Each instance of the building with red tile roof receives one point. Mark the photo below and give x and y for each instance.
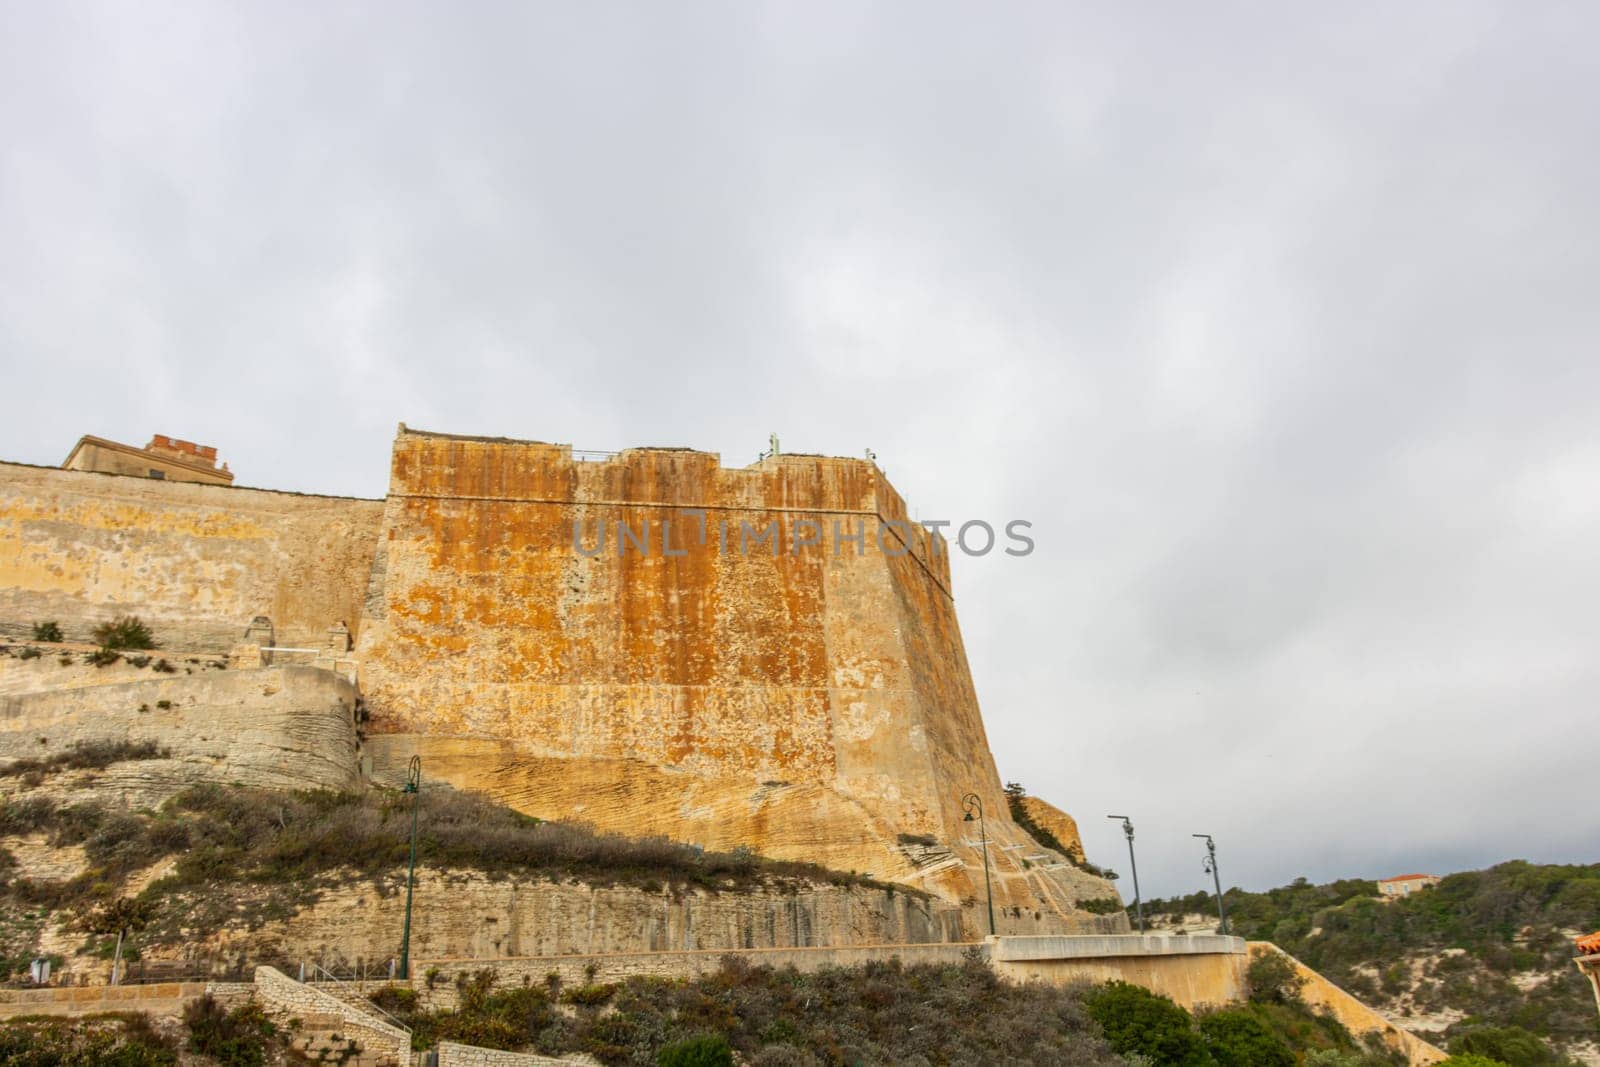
(1403, 885)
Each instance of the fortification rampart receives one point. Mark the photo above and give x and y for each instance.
(810, 701)
(807, 700)
(196, 562)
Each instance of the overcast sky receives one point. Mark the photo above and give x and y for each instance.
(1278, 321)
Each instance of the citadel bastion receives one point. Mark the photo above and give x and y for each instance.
(801, 700)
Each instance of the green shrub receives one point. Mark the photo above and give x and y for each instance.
(707, 1050)
(125, 631)
(395, 999)
(48, 631)
(1273, 979)
(1136, 1020)
(29, 653)
(1511, 1045)
(116, 1040)
(589, 996)
(237, 1038)
(1470, 1059)
(1101, 906)
(1332, 1057)
(1238, 1038)
(102, 657)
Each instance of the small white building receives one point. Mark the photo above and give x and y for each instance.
(1403, 885)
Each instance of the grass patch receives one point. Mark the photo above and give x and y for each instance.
(84, 755)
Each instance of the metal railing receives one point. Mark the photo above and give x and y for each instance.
(366, 1004)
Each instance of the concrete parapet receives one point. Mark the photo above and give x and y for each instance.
(1194, 971)
(1011, 949)
(159, 998)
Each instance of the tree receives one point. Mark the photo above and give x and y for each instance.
(49, 631)
(1273, 979)
(1136, 1020)
(1508, 1044)
(123, 916)
(1237, 1038)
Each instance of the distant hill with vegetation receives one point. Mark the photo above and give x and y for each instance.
(1477, 963)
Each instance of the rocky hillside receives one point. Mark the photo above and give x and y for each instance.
(1482, 961)
(221, 874)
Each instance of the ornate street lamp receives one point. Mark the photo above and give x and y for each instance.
(414, 787)
(970, 803)
(1209, 865)
(1138, 901)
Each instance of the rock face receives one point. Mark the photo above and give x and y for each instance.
(277, 728)
(1052, 820)
(675, 674)
(766, 656)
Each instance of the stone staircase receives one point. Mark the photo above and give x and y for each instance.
(330, 1029)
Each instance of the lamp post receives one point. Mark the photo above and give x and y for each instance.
(414, 787)
(1209, 865)
(969, 803)
(1138, 901)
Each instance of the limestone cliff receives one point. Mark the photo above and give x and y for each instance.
(1052, 820)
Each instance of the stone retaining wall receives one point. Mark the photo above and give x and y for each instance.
(161, 998)
(453, 1055)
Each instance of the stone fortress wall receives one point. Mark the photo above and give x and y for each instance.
(196, 562)
(811, 702)
(806, 702)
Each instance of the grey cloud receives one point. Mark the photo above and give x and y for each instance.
(1278, 324)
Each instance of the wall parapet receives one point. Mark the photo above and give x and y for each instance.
(454, 1055)
(1053, 947)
